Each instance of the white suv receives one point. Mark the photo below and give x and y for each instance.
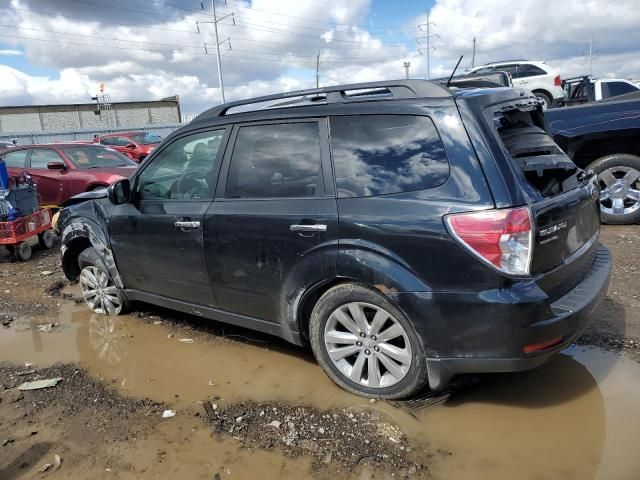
(542, 80)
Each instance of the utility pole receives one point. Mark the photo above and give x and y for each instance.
(428, 38)
(590, 54)
(318, 70)
(406, 69)
(473, 56)
(218, 42)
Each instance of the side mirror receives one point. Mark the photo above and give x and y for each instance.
(56, 166)
(120, 191)
(130, 145)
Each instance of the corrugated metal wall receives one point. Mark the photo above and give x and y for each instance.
(36, 137)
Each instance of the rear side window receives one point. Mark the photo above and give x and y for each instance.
(15, 159)
(271, 161)
(382, 154)
(527, 70)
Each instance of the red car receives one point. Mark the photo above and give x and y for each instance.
(62, 170)
(135, 145)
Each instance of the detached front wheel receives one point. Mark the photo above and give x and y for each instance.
(98, 289)
(366, 345)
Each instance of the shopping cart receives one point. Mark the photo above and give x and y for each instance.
(17, 235)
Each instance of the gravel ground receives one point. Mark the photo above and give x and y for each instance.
(347, 437)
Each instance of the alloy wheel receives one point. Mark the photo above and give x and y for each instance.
(99, 292)
(619, 194)
(368, 345)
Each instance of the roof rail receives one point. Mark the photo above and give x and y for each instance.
(356, 92)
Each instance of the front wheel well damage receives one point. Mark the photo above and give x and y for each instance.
(70, 257)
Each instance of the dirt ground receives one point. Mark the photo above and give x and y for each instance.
(235, 418)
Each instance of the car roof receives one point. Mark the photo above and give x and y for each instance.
(121, 134)
(58, 144)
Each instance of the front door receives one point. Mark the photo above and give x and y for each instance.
(273, 212)
(157, 239)
(53, 185)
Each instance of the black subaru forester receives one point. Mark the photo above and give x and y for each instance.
(407, 231)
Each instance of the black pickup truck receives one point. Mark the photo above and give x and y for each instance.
(605, 137)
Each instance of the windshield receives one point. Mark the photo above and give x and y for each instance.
(146, 138)
(89, 156)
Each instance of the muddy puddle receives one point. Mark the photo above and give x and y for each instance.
(577, 417)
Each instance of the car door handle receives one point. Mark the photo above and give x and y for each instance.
(187, 225)
(316, 227)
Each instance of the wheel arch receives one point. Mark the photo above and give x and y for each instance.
(364, 265)
(77, 235)
(590, 148)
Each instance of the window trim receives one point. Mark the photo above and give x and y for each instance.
(164, 145)
(435, 126)
(325, 186)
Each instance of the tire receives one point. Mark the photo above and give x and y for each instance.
(23, 251)
(546, 99)
(46, 239)
(325, 325)
(98, 290)
(619, 178)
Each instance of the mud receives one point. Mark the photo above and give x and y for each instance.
(576, 417)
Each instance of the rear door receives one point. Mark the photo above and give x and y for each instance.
(53, 185)
(271, 228)
(157, 239)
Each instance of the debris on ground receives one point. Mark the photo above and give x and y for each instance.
(7, 441)
(346, 437)
(46, 273)
(6, 319)
(47, 327)
(168, 413)
(186, 340)
(39, 384)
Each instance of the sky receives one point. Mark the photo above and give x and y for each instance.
(60, 51)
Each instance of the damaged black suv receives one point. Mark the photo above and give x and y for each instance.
(406, 230)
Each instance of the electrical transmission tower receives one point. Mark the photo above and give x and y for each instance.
(218, 41)
(426, 27)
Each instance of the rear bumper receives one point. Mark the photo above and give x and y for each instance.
(566, 319)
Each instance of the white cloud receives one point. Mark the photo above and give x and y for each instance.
(13, 53)
(158, 55)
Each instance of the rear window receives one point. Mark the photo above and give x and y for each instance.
(544, 165)
(384, 154)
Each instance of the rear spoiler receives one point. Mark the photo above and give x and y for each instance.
(490, 80)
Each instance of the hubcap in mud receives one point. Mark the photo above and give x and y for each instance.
(368, 345)
(99, 292)
(619, 194)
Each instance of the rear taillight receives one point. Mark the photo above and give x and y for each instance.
(557, 81)
(501, 238)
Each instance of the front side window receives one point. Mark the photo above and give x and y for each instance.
(122, 141)
(275, 161)
(383, 154)
(40, 158)
(15, 159)
(184, 170)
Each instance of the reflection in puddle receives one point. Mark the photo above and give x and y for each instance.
(574, 418)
